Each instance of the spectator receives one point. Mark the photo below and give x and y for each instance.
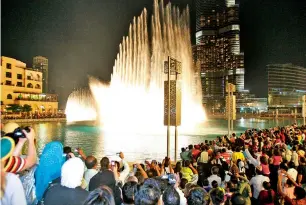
(189, 172)
(185, 155)
(237, 155)
(196, 196)
(122, 175)
(171, 197)
(49, 168)
(257, 183)
(91, 165)
(214, 176)
(128, 192)
(237, 199)
(12, 192)
(69, 191)
(147, 195)
(301, 178)
(16, 164)
(267, 196)
(100, 196)
(106, 177)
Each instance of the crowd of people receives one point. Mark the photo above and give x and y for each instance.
(255, 167)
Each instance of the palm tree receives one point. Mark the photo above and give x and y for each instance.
(27, 108)
(14, 108)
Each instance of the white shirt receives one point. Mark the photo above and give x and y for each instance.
(257, 184)
(124, 174)
(14, 192)
(295, 158)
(292, 173)
(183, 200)
(89, 173)
(212, 178)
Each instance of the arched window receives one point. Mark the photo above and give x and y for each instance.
(38, 77)
(37, 86)
(9, 96)
(29, 85)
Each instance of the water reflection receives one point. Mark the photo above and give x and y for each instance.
(97, 142)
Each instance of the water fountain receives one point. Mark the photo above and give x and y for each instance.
(133, 100)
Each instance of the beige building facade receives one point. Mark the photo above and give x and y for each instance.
(21, 85)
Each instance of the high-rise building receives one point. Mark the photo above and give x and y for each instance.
(218, 49)
(40, 63)
(286, 86)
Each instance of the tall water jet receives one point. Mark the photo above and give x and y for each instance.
(134, 98)
(80, 107)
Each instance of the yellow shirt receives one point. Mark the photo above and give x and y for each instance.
(187, 173)
(236, 156)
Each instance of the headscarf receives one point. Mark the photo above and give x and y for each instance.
(49, 168)
(72, 173)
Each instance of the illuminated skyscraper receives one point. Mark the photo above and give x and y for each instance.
(40, 63)
(218, 49)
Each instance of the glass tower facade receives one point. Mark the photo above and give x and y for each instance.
(286, 86)
(217, 49)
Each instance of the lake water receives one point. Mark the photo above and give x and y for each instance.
(138, 146)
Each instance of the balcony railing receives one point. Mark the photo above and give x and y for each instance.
(37, 99)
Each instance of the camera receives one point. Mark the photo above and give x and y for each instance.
(17, 133)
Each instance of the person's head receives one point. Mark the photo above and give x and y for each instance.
(302, 160)
(183, 183)
(238, 199)
(214, 184)
(229, 185)
(237, 149)
(299, 193)
(67, 150)
(283, 166)
(132, 179)
(147, 195)
(128, 192)
(196, 196)
(100, 196)
(267, 186)
(187, 163)
(183, 149)
(217, 196)
(277, 152)
(171, 196)
(91, 162)
(215, 170)
(49, 167)
(223, 150)
(190, 147)
(104, 163)
(178, 167)
(72, 173)
(263, 160)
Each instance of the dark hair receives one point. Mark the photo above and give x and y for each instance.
(104, 163)
(100, 196)
(190, 146)
(90, 162)
(303, 160)
(299, 192)
(67, 150)
(147, 195)
(277, 152)
(217, 196)
(267, 186)
(237, 199)
(196, 196)
(183, 149)
(171, 197)
(178, 167)
(283, 166)
(237, 149)
(139, 177)
(183, 183)
(214, 184)
(215, 170)
(128, 192)
(263, 160)
(187, 163)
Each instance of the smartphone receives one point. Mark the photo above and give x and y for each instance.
(113, 163)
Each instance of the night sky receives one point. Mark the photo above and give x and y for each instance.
(81, 37)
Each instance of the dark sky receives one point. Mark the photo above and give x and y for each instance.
(81, 37)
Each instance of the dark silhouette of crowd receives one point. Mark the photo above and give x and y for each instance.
(265, 166)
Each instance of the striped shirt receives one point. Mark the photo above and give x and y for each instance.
(14, 164)
(226, 156)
